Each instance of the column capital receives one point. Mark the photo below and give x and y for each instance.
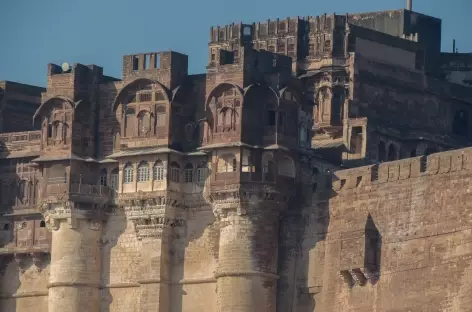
(70, 212)
(247, 199)
(153, 214)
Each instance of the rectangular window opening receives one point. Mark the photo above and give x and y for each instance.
(356, 140)
(157, 60)
(147, 61)
(135, 62)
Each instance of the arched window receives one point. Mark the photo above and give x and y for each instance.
(50, 132)
(460, 123)
(42, 224)
(143, 172)
(158, 171)
(188, 173)
(392, 152)
(103, 177)
(381, 151)
(286, 167)
(189, 131)
(202, 173)
(128, 173)
(175, 172)
(268, 167)
(21, 191)
(57, 128)
(65, 131)
(226, 163)
(114, 179)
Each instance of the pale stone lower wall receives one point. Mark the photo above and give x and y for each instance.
(25, 291)
(121, 254)
(422, 210)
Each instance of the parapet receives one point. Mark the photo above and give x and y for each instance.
(439, 163)
(167, 67)
(73, 77)
(20, 144)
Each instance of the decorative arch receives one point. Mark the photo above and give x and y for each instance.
(290, 94)
(286, 167)
(137, 85)
(224, 86)
(128, 173)
(261, 103)
(224, 103)
(143, 171)
(188, 173)
(158, 170)
(65, 101)
(268, 167)
(103, 177)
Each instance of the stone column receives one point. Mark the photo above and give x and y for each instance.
(75, 269)
(247, 265)
(154, 219)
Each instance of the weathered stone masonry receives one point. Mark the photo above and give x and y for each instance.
(320, 164)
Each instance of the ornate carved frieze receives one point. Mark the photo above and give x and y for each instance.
(71, 212)
(245, 198)
(153, 214)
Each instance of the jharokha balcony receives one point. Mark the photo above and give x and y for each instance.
(78, 192)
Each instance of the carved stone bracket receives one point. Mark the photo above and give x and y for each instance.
(68, 211)
(153, 217)
(244, 199)
(359, 276)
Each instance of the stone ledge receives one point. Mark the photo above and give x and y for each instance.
(25, 294)
(73, 284)
(246, 273)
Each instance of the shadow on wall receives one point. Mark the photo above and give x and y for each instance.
(301, 231)
(373, 251)
(182, 237)
(112, 231)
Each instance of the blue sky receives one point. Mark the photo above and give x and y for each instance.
(35, 33)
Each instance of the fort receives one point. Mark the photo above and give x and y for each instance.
(320, 164)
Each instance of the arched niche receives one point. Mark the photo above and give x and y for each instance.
(56, 115)
(286, 167)
(224, 104)
(142, 108)
(260, 112)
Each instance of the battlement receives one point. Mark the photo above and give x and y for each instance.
(439, 163)
(164, 66)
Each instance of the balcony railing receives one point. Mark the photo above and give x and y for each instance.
(80, 192)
